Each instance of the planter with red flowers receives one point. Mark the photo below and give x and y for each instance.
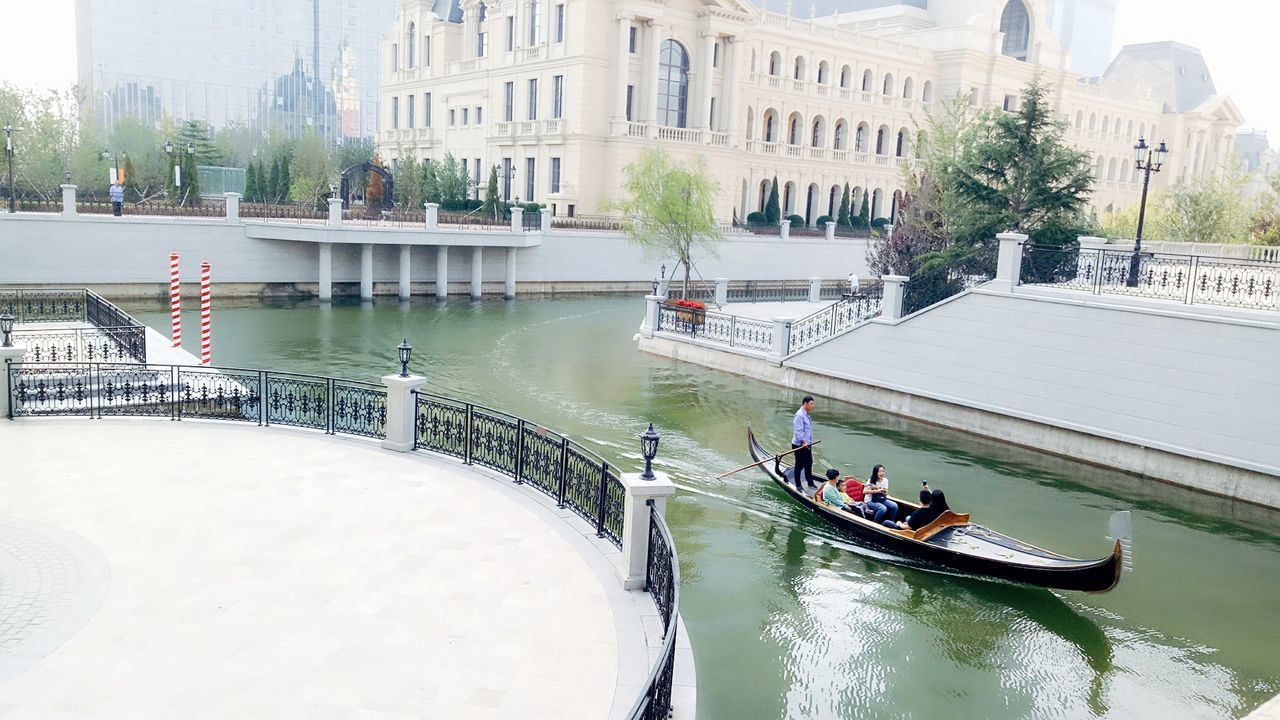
(690, 312)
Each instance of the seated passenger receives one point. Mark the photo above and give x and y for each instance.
(878, 501)
(932, 505)
(831, 494)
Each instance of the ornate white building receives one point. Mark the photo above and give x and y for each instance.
(562, 94)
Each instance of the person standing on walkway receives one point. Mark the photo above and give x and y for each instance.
(801, 442)
(117, 198)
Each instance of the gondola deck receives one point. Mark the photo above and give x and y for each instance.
(952, 542)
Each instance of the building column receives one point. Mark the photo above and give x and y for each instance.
(366, 271)
(509, 280)
(442, 272)
(326, 272)
(233, 206)
(477, 271)
(732, 90)
(622, 67)
(404, 272)
(706, 71)
(651, 72)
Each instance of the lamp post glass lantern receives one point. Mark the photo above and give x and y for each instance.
(649, 449)
(405, 350)
(6, 327)
(1148, 161)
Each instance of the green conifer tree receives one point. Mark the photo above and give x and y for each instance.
(490, 206)
(864, 215)
(271, 191)
(772, 212)
(286, 182)
(842, 218)
(190, 182)
(250, 182)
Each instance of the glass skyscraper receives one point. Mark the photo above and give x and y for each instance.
(265, 64)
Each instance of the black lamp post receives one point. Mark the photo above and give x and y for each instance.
(649, 448)
(115, 164)
(1149, 161)
(405, 350)
(6, 327)
(8, 156)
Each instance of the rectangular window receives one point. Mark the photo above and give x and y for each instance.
(506, 179)
(533, 99)
(481, 180)
(395, 57)
(510, 102)
(412, 108)
(715, 55)
(557, 97)
(711, 116)
(631, 92)
(453, 117)
(534, 21)
(511, 33)
(479, 115)
(530, 167)
(631, 40)
(465, 112)
(480, 42)
(1010, 103)
(426, 110)
(560, 23)
(555, 175)
(395, 113)
(426, 50)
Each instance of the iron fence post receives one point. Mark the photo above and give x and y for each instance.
(564, 466)
(519, 450)
(1097, 273)
(604, 491)
(469, 428)
(175, 395)
(1191, 279)
(8, 388)
(416, 408)
(264, 383)
(329, 421)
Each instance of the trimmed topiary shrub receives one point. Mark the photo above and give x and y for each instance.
(796, 221)
(822, 221)
(756, 218)
(879, 223)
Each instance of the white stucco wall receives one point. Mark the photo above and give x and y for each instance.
(45, 249)
(1156, 375)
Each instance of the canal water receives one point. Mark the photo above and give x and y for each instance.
(790, 620)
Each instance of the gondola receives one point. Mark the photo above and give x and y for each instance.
(953, 543)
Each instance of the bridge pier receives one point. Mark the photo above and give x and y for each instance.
(404, 272)
(326, 272)
(477, 270)
(442, 272)
(509, 281)
(366, 271)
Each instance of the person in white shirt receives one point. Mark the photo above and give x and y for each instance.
(878, 501)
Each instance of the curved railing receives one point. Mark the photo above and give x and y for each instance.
(662, 581)
(840, 317)
(719, 328)
(114, 337)
(529, 453)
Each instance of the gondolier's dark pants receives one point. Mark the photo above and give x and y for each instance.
(804, 464)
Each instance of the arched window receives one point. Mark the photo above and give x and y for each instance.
(775, 63)
(764, 193)
(860, 138)
(411, 42)
(1106, 124)
(1015, 23)
(673, 84)
(1129, 129)
(926, 92)
(846, 76)
(818, 131)
(867, 80)
(882, 139)
(838, 141)
(751, 123)
(907, 88)
(793, 129)
(799, 69)
(1111, 169)
(1100, 167)
(1142, 130)
(770, 125)
(901, 149)
(888, 84)
(823, 72)
(1079, 119)
(1093, 122)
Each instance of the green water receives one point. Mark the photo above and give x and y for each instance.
(788, 619)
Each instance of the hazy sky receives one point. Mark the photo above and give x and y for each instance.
(1236, 36)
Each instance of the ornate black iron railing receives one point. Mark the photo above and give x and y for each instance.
(114, 337)
(262, 397)
(1189, 279)
(930, 288)
(575, 477)
(840, 317)
(714, 327)
(662, 581)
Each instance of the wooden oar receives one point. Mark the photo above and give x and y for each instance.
(745, 467)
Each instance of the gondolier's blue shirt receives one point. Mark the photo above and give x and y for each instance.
(802, 430)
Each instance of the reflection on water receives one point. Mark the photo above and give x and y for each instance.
(787, 617)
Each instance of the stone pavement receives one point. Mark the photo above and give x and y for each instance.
(273, 573)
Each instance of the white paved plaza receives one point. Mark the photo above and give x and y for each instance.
(206, 570)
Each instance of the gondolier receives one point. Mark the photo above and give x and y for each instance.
(801, 442)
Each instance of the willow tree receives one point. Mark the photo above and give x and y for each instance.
(669, 208)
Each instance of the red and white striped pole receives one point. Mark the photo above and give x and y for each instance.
(175, 299)
(206, 347)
